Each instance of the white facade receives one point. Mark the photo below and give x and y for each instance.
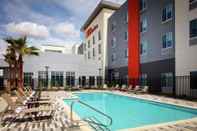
(75, 49)
(185, 47)
(185, 53)
(59, 62)
(66, 49)
(95, 47)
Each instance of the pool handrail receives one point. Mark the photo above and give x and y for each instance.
(96, 110)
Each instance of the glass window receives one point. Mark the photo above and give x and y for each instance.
(93, 52)
(143, 5)
(1, 72)
(28, 79)
(193, 28)
(88, 43)
(167, 40)
(143, 47)
(113, 26)
(192, 4)
(88, 55)
(126, 53)
(167, 12)
(42, 79)
(93, 39)
(113, 42)
(113, 57)
(167, 79)
(143, 25)
(126, 17)
(70, 78)
(99, 35)
(143, 80)
(126, 35)
(57, 79)
(99, 48)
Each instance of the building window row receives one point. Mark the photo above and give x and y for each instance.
(167, 12)
(193, 28)
(192, 4)
(94, 39)
(143, 25)
(143, 47)
(167, 40)
(143, 5)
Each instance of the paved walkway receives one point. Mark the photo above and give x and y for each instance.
(61, 122)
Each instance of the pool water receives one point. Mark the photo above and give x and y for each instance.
(128, 112)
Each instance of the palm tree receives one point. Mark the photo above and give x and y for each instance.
(21, 49)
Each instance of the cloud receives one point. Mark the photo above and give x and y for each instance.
(68, 29)
(29, 29)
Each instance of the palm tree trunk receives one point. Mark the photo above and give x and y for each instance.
(20, 72)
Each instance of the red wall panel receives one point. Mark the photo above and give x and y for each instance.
(133, 40)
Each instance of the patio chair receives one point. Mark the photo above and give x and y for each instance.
(130, 88)
(123, 88)
(143, 90)
(30, 102)
(17, 110)
(136, 88)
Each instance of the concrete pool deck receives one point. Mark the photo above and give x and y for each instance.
(61, 118)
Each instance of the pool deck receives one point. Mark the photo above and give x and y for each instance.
(61, 118)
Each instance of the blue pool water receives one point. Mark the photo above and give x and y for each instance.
(128, 112)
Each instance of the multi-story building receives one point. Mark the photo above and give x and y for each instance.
(95, 30)
(141, 43)
(186, 45)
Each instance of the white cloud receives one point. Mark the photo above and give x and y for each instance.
(29, 29)
(68, 29)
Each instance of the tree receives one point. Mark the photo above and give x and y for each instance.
(21, 49)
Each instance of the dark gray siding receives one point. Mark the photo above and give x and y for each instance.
(119, 18)
(156, 28)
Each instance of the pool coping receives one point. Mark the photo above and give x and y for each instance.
(150, 126)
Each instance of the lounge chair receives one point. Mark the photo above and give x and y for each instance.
(130, 88)
(17, 110)
(137, 88)
(143, 90)
(123, 88)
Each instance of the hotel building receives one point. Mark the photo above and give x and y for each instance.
(140, 39)
(95, 30)
(186, 45)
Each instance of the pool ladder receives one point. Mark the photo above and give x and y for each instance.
(93, 121)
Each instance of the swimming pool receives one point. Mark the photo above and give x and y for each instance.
(129, 112)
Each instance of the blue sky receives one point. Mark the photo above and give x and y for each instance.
(45, 21)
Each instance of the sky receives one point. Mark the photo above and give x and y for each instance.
(46, 21)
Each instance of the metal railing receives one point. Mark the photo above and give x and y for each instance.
(94, 109)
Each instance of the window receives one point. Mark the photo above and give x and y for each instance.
(88, 43)
(42, 79)
(84, 47)
(28, 79)
(1, 72)
(99, 35)
(126, 18)
(113, 58)
(167, 40)
(93, 39)
(192, 4)
(193, 28)
(99, 48)
(113, 42)
(143, 5)
(143, 47)
(167, 12)
(70, 78)
(113, 26)
(93, 52)
(88, 55)
(126, 35)
(167, 79)
(126, 53)
(143, 80)
(57, 79)
(143, 25)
